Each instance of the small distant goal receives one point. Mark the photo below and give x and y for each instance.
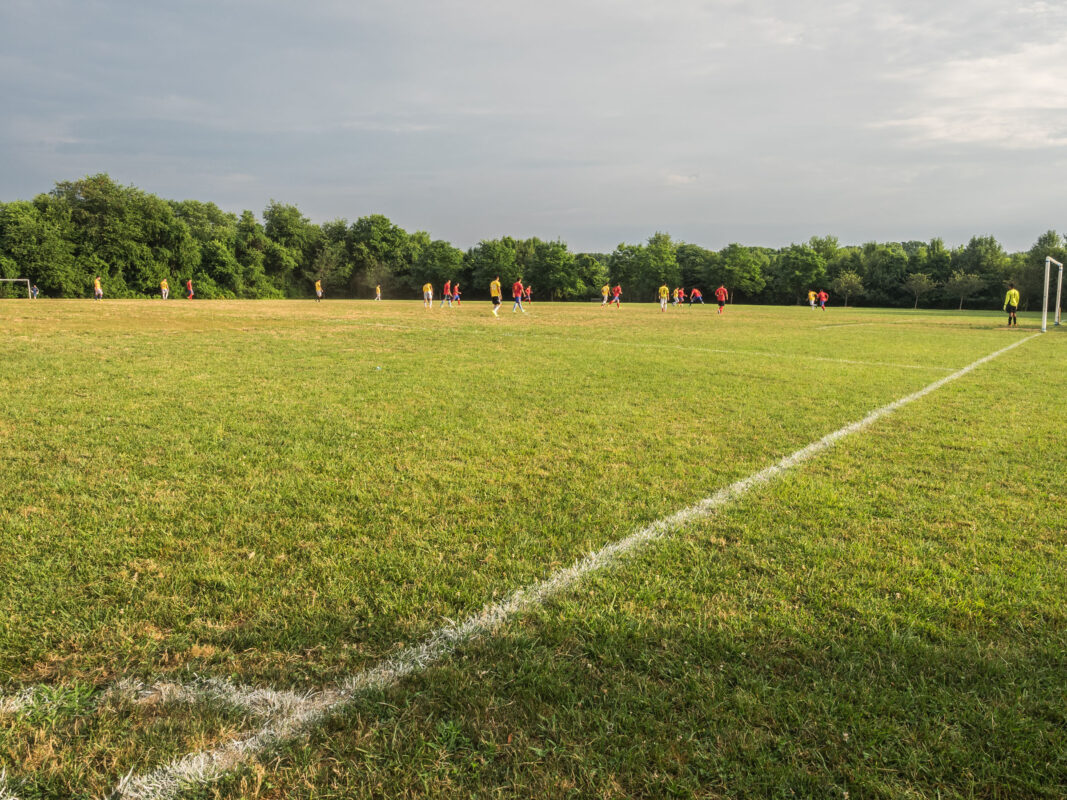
(1049, 261)
(18, 280)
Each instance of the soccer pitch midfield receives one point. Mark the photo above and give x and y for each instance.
(353, 549)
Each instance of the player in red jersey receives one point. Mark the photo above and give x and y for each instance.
(722, 296)
(456, 293)
(446, 295)
(529, 291)
(616, 293)
(516, 294)
(823, 297)
(695, 296)
(189, 289)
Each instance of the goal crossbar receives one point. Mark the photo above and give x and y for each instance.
(19, 280)
(1049, 261)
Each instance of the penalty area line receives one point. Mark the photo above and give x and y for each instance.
(300, 715)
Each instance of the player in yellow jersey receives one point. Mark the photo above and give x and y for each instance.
(318, 291)
(494, 293)
(164, 289)
(605, 290)
(427, 295)
(378, 292)
(664, 293)
(98, 289)
(811, 298)
(1011, 304)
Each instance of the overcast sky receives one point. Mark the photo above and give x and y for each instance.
(597, 121)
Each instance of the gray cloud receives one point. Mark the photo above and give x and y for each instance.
(598, 121)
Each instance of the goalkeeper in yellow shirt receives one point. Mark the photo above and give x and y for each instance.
(1011, 304)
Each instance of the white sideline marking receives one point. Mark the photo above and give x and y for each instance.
(14, 703)
(210, 765)
(255, 701)
(5, 793)
(252, 700)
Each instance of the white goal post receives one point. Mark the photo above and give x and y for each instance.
(1049, 261)
(19, 280)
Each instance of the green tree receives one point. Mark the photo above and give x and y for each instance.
(799, 269)
(938, 260)
(963, 285)
(555, 272)
(826, 246)
(593, 271)
(436, 263)
(491, 258)
(848, 283)
(741, 269)
(983, 256)
(696, 265)
(1028, 274)
(884, 267)
(34, 244)
(918, 284)
(382, 253)
(296, 241)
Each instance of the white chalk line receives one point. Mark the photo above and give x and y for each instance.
(5, 792)
(210, 765)
(249, 699)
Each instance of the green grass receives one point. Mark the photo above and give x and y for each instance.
(284, 493)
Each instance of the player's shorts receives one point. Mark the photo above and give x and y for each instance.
(318, 295)
(1012, 309)
(822, 304)
(496, 300)
(722, 304)
(427, 295)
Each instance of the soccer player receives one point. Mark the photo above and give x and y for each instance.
(427, 295)
(378, 292)
(681, 295)
(516, 293)
(455, 293)
(34, 291)
(722, 296)
(1011, 304)
(495, 294)
(529, 291)
(318, 291)
(811, 298)
(98, 289)
(616, 293)
(605, 290)
(823, 297)
(189, 289)
(695, 296)
(446, 294)
(164, 289)
(664, 292)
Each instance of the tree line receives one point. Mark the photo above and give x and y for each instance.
(133, 240)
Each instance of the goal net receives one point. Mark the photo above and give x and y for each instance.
(16, 281)
(1049, 261)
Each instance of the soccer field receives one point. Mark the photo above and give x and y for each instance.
(202, 499)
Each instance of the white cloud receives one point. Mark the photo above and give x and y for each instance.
(1016, 100)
